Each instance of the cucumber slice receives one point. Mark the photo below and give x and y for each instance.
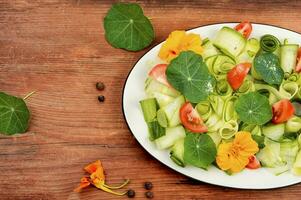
(172, 111)
(209, 50)
(210, 63)
(274, 131)
(163, 99)
(155, 131)
(149, 109)
(222, 64)
(269, 156)
(162, 119)
(152, 86)
(288, 57)
(249, 52)
(289, 150)
(171, 136)
(297, 165)
(177, 152)
(230, 42)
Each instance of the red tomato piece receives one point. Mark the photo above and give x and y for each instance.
(237, 75)
(245, 28)
(283, 110)
(253, 163)
(158, 73)
(298, 66)
(191, 119)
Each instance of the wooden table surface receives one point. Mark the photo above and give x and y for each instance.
(57, 48)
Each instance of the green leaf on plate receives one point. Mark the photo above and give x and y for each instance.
(253, 108)
(267, 65)
(189, 74)
(14, 114)
(199, 150)
(126, 27)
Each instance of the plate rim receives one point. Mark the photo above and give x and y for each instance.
(123, 112)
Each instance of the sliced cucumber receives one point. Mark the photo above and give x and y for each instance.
(149, 109)
(152, 86)
(297, 164)
(210, 63)
(177, 152)
(249, 52)
(172, 111)
(162, 119)
(155, 130)
(230, 42)
(274, 131)
(223, 64)
(293, 125)
(288, 57)
(209, 50)
(163, 99)
(171, 136)
(269, 156)
(289, 150)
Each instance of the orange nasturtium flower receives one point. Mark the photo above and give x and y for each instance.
(97, 178)
(234, 156)
(179, 41)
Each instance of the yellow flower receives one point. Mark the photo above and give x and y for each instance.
(234, 156)
(179, 41)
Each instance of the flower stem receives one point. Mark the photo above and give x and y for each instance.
(102, 187)
(28, 95)
(118, 187)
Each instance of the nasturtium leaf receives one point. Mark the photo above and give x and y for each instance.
(253, 108)
(189, 74)
(267, 65)
(14, 114)
(199, 150)
(126, 27)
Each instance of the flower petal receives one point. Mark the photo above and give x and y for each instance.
(93, 167)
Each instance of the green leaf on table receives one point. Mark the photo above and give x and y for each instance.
(14, 114)
(253, 108)
(199, 150)
(126, 27)
(267, 65)
(189, 74)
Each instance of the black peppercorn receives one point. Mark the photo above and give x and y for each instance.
(100, 86)
(131, 193)
(148, 185)
(101, 98)
(149, 195)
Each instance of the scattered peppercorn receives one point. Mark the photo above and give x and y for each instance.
(101, 98)
(149, 195)
(131, 193)
(100, 86)
(148, 185)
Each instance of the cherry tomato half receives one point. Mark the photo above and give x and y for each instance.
(282, 111)
(191, 119)
(253, 163)
(245, 28)
(158, 73)
(237, 75)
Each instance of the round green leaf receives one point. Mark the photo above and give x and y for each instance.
(267, 65)
(189, 74)
(126, 27)
(253, 108)
(199, 150)
(14, 114)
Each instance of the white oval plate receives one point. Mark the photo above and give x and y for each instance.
(134, 91)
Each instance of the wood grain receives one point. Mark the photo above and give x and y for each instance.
(57, 48)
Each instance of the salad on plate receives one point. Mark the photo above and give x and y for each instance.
(230, 100)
